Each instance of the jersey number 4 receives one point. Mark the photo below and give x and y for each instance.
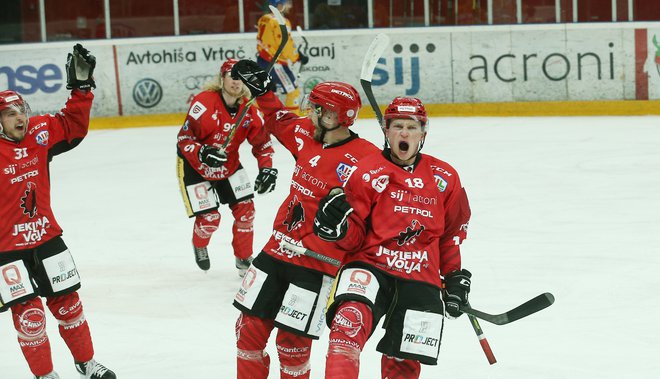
(314, 161)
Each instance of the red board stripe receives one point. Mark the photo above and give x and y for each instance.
(119, 105)
(641, 55)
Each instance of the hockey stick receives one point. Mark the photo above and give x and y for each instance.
(529, 307)
(482, 340)
(371, 58)
(300, 250)
(305, 43)
(285, 37)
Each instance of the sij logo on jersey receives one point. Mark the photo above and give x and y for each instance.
(408, 236)
(29, 201)
(344, 172)
(295, 214)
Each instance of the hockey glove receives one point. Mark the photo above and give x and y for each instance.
(252, 75)
(212, 156)
(80, 69)
(331, 221)
(457, 288)
(303, 59)
(265, 181)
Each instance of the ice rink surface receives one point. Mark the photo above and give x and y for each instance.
(565, 205)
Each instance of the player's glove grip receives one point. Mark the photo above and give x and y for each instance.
(265, 181)
(457, 288)
(80, 69)
(331, 221)
(212, 156)
(255, 78)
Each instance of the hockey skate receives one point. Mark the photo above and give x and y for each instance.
(52, 375)
(202, 257)
(242, 265)
(94, 370)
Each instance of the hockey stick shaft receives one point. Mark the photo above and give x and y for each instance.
(529, 307)
(485, 346)
(312, 254)
(285, 38)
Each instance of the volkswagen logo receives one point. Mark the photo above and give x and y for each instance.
(147, 93)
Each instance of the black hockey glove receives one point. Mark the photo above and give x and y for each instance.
(457, 288)
(252, 75)
(80, 69)
(331, 221)
(265, 181)
(212, 156)
(304, 59)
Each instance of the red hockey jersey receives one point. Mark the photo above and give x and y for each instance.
(408, 224)
(318, 169)
(208, 122)
(27, 218)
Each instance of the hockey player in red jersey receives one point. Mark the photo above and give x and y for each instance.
(34, 260)
(401, 219)
(283, 289)
(210, 174)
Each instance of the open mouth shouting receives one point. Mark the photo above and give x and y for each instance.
(404, 147)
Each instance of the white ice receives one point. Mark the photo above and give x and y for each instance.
(565, 205)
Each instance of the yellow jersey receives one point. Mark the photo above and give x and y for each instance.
(269, 37)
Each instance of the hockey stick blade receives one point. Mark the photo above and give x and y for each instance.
(285, 37)
(376, 49)
(532, 306)
(372, 56)
(300, 250)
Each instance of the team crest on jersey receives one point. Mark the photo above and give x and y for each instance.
(29, 200)
(411, 233)
(197, 110)
(295, 214)
(344, 172)
(440, 182)
(42, 138)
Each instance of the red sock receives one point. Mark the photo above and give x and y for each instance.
(30, 323)
(73, 327)
(205, 225)
(395, 368)
(293, 351)
(349, 332)
(242, 229)
(251, 337)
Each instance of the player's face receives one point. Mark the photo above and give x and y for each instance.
(14, 123)
(404, 136)
(322, 119)
(232, 87)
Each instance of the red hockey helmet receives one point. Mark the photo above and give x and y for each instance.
(406, 107)
(10, 98)
(226, 67)
(338, 97)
